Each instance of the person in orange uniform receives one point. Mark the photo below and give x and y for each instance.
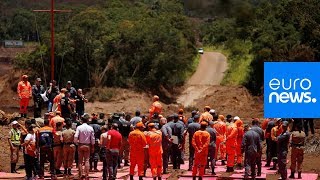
(138, 142)
(231, 144)
(220, 127)
(25, 94)
(275, 132)
(206, 115)
(200, 142)
(154, 141)
(156, 106)
(57, 100)
(239, 124)
(56, 119)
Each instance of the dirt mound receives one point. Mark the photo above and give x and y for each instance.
(234, 100)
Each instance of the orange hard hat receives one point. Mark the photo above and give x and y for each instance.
(221, 117)
(204, 123)
(139, 124)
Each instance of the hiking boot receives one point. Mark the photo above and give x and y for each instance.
(299, 175)
(292, 175)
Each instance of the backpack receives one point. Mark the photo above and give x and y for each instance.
(45, 139)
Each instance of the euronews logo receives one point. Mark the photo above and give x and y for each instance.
(296, 91)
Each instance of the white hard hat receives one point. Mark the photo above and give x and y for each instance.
(236, 118)
(14, 122)
(212, 111)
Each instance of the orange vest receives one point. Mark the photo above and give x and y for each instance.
(24, 89)
(154, 140)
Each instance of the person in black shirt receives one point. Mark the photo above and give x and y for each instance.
(125, 131)
(65, 106)
(52, 92)
(94, 157)
(80, 100)
(37, 90)
(71, 90)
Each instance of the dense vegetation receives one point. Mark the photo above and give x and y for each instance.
(144, 44)
(255, 31)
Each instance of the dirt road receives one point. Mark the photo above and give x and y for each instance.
(209, 72)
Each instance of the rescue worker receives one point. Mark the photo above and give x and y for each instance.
(29, 144)
(212, 112)
(68, 147)
(231, 145)
(239, 124)
(137, 142)
(156, 106)
(192, 128)
(200, 142)
(166, 144)
(58, 148)
(269, 142)
(125, 130)
(25, 94)
(57, 100)
(177, 135)
(136, 119)
(113, 148)
(155, 120)
(45, 139)
(52, 92)
(190, 120)
(56, 119)
(220, 128)
(37, 90)
(154, 141)
(181, 116)
(297, 141)
(206, 115)
(255, 127)
(282, 149)
(275, 132)
(251, 147)
(212, 146)
(85, 139)
(94, 156)
(80, 99)
(65, 105)
(103, 151)
(14, 143)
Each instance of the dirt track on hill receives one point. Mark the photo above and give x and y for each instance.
(210, 71)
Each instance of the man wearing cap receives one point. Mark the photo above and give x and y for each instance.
(220, 128)
(138, 142)
(156, 106)
(85, 139)
(251, 147)
(255, 127)
(136, 119)
(282, 149)
(275, 132)
(239, 125)
(37, 90)
(114, 142)
(206, 115)
(200, 142)
(176, 148)
(192, 128)
(14, 142)
(166, 143)
(231, 145)
(212, 146)
(154, 141)
(25, 94)
(297, 141)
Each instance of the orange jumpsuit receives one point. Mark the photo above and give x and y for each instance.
(156, 107)
(137, 141)
(55, 120)
(57, 101)
(220, 127)
(231, 144)
(239, 125)
(154, 140)
(25, 93)
(200, 142)
(206, 116)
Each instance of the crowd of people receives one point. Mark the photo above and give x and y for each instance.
(66, 134)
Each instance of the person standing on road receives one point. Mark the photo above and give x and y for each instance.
(14, 142)
(255, 127)
(267, 134)
(200, 142)
(30, 152)
(25, 94)
(138, 142)
(297, 141)
(220, 128)
(251, 147)
(192, 128)
(94, 156)
(37, 90)
(231, 144)
(166, 144)
(125, 130)
(68, 147)
(177, 135)
(154, 141)
(58, 147)
(212, 146)
(239, 125)
(85, 139)
(52, 92)
(275, 132)
(114, 142)
(282, 149)
(103, 151)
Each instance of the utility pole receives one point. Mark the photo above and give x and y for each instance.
(52, 12)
